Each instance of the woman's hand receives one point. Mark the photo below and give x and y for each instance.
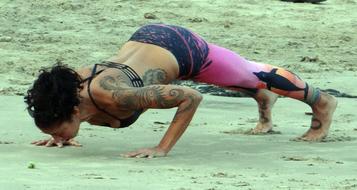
(146, 153)
(56, 142)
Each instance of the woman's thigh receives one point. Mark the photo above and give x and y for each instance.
(226, 68)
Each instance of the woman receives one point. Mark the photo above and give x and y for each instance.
(116, 92)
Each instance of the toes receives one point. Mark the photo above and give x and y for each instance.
(256, 131)
(297, 139)
(308, 138)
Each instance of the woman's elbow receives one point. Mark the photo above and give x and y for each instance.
(196, 97)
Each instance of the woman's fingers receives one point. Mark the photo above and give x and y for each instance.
(130, 154)
(34, 142)
(72, 142)
(39, 142)
(59, 144)
(76, 144)
(151, 156)
(56, 142)
(50, 143)
(142, 155)
(145, 153)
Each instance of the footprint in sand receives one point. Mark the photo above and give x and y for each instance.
(335, 138)
(300, 158)
(6, 142)
(243, 131)
(329, 139)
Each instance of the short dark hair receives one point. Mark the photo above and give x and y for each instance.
(53, 95)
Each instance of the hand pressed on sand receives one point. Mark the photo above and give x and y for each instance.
(145, 153)
(56, 142)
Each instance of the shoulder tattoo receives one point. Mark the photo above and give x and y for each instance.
(154, 76)
(112, 83)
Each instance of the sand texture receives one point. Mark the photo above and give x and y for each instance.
(214, 153)
(317, 42)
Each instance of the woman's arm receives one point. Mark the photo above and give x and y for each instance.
(163, 96)
(158, 96)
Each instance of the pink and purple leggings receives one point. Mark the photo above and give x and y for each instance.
(208, 63)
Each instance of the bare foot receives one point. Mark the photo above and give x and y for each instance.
(265, 100)
(322, 117)
(262, 128)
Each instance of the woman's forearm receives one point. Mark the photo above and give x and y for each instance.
(181, 120)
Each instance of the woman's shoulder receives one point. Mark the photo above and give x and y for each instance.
(84, 72)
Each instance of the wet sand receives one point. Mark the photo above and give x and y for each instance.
(318, 42)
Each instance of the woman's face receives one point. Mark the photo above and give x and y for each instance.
(64, 131)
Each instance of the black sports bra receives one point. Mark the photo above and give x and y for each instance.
(135, 80)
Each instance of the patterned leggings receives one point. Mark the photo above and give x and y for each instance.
(208, 63)
(227, 69)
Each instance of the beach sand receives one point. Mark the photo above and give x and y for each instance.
(214, 153)
(317, 42)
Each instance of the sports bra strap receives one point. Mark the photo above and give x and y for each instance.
(133, 76)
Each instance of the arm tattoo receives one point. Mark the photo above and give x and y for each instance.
(154, 76)
(153, 96)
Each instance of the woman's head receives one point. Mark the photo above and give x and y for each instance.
(54, 96)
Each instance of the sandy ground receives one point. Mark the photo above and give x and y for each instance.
(318, 42)
(213, 153)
